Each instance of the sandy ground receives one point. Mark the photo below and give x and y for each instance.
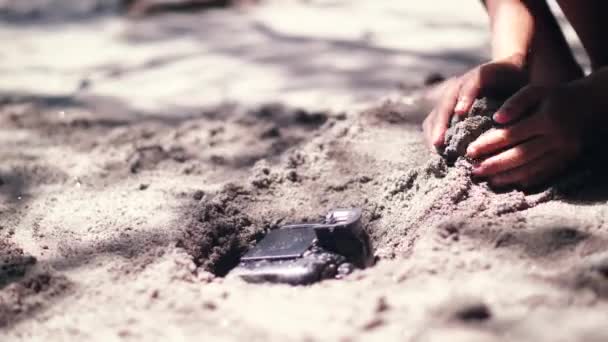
(140, 158)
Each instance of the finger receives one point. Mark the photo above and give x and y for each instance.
(497, 139)
(427, 127)
(468, 93)
(512, 158)
(519, 104)
(443, 114)
(532, 173)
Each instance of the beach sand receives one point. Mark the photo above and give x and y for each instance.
(118, 222)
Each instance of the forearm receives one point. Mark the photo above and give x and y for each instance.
(512, 28)
(527, 31)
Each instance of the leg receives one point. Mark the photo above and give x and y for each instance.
(588, 18)
(552, 61)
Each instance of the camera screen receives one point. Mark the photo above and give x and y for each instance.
(282, 244)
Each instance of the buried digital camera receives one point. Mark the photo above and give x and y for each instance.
(300, 254)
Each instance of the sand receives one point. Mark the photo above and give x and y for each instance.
(464, 130)
(141, 219)
(119, 226)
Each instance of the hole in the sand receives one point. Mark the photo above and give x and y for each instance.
(219, 247)
(473, 313)
(602, 269)
(220, 238)
(218, 233)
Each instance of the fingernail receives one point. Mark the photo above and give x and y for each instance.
(471, 151)
(477, 170)
(460, 106)
(499, 117)
(438, 141)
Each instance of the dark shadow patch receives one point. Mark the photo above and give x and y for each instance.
(296, 55)
(588, 183)
(140, 247)
(24, 298)
(49, 101)
(148, 157)
(91, 122)
(14, 263)
(284, 116)
(542, 242)
(591, 274)
(354, 45)
(397, 113)
(138, 8)
(475, 312)
(17, 179)
(464, 310)
(55, 12)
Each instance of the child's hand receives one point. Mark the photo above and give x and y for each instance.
(541, 144)
(506, 74)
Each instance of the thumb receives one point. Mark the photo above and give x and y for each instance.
(524, 101)
(468, 93)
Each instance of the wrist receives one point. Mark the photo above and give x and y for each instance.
(518, 59)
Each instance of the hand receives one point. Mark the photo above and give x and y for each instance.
(546, 136)
(508, 74)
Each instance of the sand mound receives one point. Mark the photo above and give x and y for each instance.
(462, 132)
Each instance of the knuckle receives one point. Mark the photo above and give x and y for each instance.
(488, 166)
(519, 153)
(504, 135)
(472, 76)
(455, 85)
(473, 84)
